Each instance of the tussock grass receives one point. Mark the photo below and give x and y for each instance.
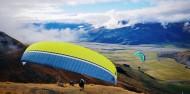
(31, 88)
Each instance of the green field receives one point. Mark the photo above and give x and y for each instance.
(166, 70)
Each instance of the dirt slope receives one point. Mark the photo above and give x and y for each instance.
(29, 88)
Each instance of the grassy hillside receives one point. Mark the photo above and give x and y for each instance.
(166, 70)
(30, 88)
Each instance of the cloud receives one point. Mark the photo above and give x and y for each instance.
(186, 27)
(32, 34)
(48, 10)
(15, 13)
(76, 2)
(163, 12)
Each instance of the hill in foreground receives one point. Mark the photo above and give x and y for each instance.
(11, 69)
(29, 88)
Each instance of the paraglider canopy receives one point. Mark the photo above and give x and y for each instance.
(71, 57)
(140, 55)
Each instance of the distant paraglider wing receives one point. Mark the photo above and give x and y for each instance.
(140, 55)
(71, 57)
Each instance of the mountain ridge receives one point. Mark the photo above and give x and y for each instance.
(139, 33)
(8, 44)
(147, 33)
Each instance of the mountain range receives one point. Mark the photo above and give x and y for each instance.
(139, 33)
(142, 33)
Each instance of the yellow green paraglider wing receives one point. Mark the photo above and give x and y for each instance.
(71, 57)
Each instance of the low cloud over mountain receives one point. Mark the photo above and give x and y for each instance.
(15, 15)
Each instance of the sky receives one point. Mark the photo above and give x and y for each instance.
(16, 13)
(101, 7)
